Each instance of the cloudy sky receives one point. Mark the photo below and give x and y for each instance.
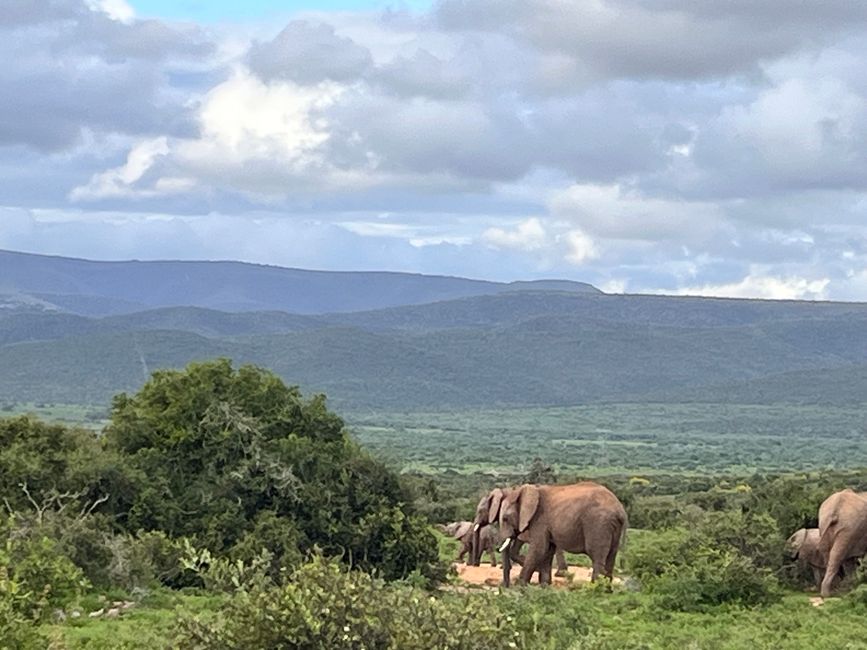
(677, 146)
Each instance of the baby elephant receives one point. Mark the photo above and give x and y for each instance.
(463, 531)
(803, 546)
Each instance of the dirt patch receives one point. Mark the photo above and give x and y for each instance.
(485, 575)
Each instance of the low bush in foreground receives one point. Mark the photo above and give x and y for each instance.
(324, 605)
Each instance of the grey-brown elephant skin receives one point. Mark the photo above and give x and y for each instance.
(580, 518)
(843, 533)
(463, 532)
(487, 513)
(803, 546)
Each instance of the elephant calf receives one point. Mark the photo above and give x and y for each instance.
(803, 546)
(463, 531)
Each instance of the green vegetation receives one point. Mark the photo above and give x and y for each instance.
(235, 513)
(604, 439)
(519, 348)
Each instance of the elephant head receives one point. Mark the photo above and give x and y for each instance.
(457, 529)
(487, 512)
(795, 543)
(517, 511)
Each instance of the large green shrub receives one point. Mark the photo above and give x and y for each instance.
(724, 557)
(237, 461)
(324, 605)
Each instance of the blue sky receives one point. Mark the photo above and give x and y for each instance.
(679, 147)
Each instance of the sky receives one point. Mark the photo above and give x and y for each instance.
(646, 146)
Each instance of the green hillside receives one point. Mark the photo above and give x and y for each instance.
(516, 349)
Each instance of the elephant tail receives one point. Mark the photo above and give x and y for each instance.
(623, 535)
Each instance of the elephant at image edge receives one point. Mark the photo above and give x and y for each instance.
(463, 531)
(580, 518)
(803, 546)
(842, 531)
(488, 513)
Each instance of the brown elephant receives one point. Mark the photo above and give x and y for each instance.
(843, 533)
(580, 518)
(487, 513)
(803, 546)
(463, 532)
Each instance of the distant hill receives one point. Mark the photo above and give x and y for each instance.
(516, 348)
(108, 288)
(411, 342)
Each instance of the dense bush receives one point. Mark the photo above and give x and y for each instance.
(323, 605)
(723, 557)
(237, 461)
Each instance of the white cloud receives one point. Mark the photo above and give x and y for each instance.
(528, 235)
(120, 181)
(118, 10)
(764, 286)
(580, 247)
(610, 211)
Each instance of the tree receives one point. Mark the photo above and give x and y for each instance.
(220, 454)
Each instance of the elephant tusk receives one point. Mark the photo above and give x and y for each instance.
(505, 545)
(476, 528)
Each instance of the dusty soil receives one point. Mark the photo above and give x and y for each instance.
(488, 576)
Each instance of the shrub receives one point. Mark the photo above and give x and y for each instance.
(237, 461)
(324, 605)
(725, 557)
(17, 629)
(42, 575)
(713, 578)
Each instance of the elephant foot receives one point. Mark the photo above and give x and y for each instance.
(561, 573)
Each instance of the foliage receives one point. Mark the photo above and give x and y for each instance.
(48, 578)
(721, 558)
(237, 461)
(325, 605)
(17, 607)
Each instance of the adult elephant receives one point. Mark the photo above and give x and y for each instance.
(803, 546)
(842, 531)
(487, 514)
(580, 518)
(463, 532)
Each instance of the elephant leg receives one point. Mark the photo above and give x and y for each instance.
(599, 547)
(562, 567)
(465, 547)
(507, 567)
(817, 576)
(545, 568)
(536, 556)
(835, 559)
(515, 552)
(610, 558)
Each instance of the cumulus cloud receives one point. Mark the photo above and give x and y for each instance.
(669, 40)
(579, 247)
(306, 53)
(644, 145)
(764, 286)
(528, 235)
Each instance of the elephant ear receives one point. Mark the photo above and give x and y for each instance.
(463, 529)
(528, 502)
(496, 498)
(799, 538)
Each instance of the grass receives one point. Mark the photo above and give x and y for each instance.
(89, 416)
(151, 624)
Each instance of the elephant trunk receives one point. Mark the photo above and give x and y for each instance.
(507, 562)
(475, 546)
